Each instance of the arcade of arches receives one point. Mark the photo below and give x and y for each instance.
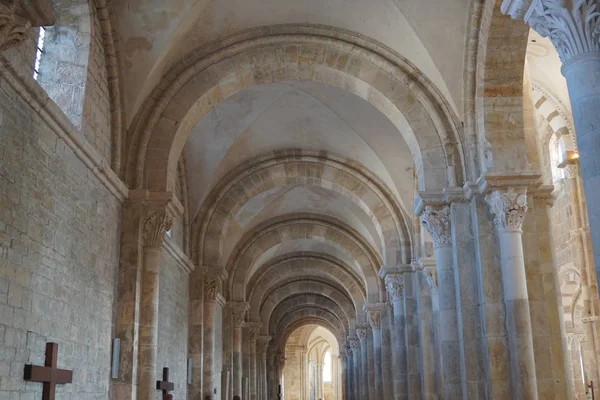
(307, 200)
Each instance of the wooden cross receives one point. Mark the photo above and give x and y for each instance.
(165, 385)
(49, 375)
(591, 386)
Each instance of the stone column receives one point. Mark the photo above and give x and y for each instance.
(387, 354)
(374, 315)
(351, 374)
(213, 310)
(345, 363)
(412, 330)
(436, 220)
(361, 332)
(272, 372)
(580, 233)
(394, 283)
(156, 224)
(509, 208)
(253, 331)
(262, 344)
(574, 29)
(355, 361)
(238, 312)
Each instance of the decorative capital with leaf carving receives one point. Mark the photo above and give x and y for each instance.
(509, 208)
(18, 16)
(437, 222)
(212, 288)
(238, 312)
(354, 343)
(253, 331)
(156, 224)
(13, 28)
(395, 286)
(573, 26)
(262, 344)
(361, 332)
(349, 352)
(374, 318)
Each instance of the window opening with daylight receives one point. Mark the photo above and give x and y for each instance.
(39, 52)
(327, 367)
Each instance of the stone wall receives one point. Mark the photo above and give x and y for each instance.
(173, 324)
(292, 369)
(96, 108)
(59, 226)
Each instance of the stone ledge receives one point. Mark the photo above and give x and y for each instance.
(56, 120)
(178, 255)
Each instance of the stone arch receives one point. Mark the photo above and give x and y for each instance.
(569, 275)
(295, 167)
(495, 61)
(307, 316)
(302, 322)
(305, 291)
(360, 66)
(258, 241)
(297, 266)
(554, 112)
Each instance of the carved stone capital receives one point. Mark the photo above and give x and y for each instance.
(361, 332)
(374, 318)
(253, 331)
(18, 16)
(262, 344)
(395, 286)
(13, 28)
(509, 208)
(349, 352)
(156, 224)
(573, 26)
(354, 343)
(437, 222)
(212, 288)
(238, 312)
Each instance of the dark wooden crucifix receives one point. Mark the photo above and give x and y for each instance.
(165, 386)
(49, 375)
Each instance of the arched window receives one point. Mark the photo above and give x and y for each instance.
(62, 56)
(327, 373)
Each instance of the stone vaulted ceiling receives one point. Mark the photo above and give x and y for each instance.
(305, 128)
(156, 34)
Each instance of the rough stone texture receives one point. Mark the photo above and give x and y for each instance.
(57, 282)
(173, 324)
(67, 49)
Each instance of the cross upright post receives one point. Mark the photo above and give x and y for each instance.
(165, 386)
(49, 374)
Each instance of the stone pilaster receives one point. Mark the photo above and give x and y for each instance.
(238, 313)
(213, 312)
(354, 343)
(352, 381)
(394, 283)
(509, 207)
(374, 316)
(262, 345)
(146, 218)
(154, 226)
(436, 220)
(253, 333)
(361, 333)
